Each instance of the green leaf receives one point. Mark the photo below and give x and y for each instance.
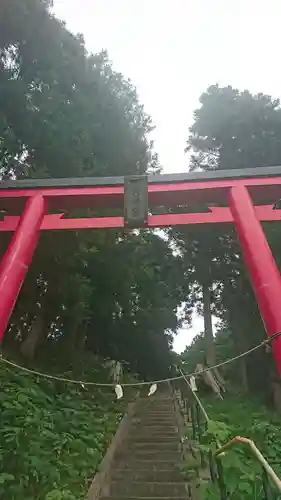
(54, 495)
(4, 477)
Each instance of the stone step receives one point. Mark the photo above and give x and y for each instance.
(155, 419)
(156, 438)
(149, 475)
(157, 416)
(154, 400)
(157, 402)
(152, 409)
(147, 464)
(149, 436)
(152, 422)
(157, 411)
(149, 422)
(160, 410)
(143, 454)
(155, 429)
(156, 408)
(155, 445)
(148, 489)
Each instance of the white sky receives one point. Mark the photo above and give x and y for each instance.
(172, 50)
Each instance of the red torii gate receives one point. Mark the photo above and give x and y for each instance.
(247, 198)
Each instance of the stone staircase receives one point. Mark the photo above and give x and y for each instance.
(148, 464)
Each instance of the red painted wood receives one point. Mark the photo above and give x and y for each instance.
(218, 215)
(170, 194)
(18, 256)
(265, 276)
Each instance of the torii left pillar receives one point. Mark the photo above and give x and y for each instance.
(18, 256)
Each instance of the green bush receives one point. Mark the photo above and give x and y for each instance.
(242, 472)
(53, 436)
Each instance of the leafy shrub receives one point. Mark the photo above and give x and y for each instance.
(242, 472)
(53, 436)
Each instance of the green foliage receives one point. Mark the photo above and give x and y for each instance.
(218, 430)
(53, 436)
(241, 471)
(68, 111)
(234, 129)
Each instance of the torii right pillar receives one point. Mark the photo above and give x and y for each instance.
(264, 274)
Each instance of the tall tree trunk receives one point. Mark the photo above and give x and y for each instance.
(276, 390)
(208, 326)
(209, 334)
(30, 344)
(76, 346)
(244, 375)
(239, 327)
(240, 346)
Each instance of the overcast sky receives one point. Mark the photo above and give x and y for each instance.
(172, 50)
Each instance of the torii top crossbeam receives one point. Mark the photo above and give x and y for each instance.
(243, 197)
(208, 188)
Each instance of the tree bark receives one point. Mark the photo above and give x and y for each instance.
(209, 334)
(30, 344)
(240, 345)
(208, 326)
(276, 389)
